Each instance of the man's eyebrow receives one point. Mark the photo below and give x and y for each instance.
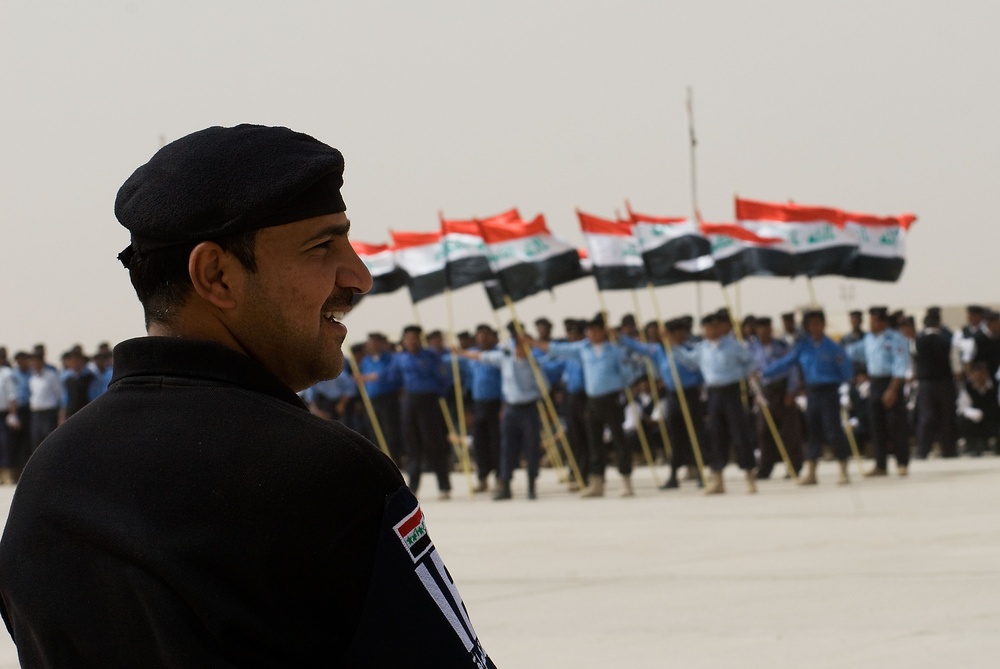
(338, 230)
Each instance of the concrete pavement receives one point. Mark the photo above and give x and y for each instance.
(882, 573)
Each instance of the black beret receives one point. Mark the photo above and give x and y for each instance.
(879, 312)
(220, 181)
(976, 309)
(628, 320)
(483, 327)
(597, 321)
(809, 314)
(934, 311)
(416, 329)
(675, 324)
(543, 321)
(764, 320)
(572, 325)
(855, 313)
(710, 319)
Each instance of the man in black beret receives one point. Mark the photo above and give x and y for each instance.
(196, 514)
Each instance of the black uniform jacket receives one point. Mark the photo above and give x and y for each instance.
(197, 515)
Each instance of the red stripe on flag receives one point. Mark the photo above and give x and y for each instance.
(404, 240)
(902, 221)
(365, 249)
(636, 217)
(495, 233)
(411, 523)
(753, 210)
(602, 226)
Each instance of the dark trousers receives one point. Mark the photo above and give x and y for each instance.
(21, 439)
(890, 430)
(677, 430)
(8, 457)
(576, 430)
(823, 422)
(520, 434)
(602, 411)
(936, 416)
(788, 420)
(387, 411)
(729, 422)
(43, 423)
(425, 435)
(486, 436)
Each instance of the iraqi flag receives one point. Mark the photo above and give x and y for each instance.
(527, 258)
(738, 253)
(816, 236)
(380, 260)
(881, 251)
(421, 256)
(465, 251)
(666, 241)
(613, 252)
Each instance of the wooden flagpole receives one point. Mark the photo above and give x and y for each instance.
(651, 375)
(685, 410)
(366, 400)
(546, 397)
(459, 398)
(764, 408)
(452, 435)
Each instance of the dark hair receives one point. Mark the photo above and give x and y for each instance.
(161, 279)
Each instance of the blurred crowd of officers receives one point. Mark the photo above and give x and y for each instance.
(756, 396)
(884, 390)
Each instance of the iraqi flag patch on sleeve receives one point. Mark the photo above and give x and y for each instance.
(412, 531)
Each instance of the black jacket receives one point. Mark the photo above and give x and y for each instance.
(197, 515)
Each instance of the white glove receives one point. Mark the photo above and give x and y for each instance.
(13, 422)
(973, 414)
(802, 402)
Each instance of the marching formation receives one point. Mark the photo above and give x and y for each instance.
(755, 395)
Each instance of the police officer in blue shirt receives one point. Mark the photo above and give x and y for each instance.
(825, 366)
(424, 380)
(725, 363)
(383, 390)
(520, 428)
(484, 380)
(779, 391)
(886, 354)
(682, 449)
(606, 371)
(575, 402)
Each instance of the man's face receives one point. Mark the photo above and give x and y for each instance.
(544, 331)
(855, 321)
(411, 342)
(815, 327)
(289, 319)
(764, 333)
(596, 334)
(994, 327)
(877, 324)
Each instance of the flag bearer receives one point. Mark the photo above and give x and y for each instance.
(825, 366)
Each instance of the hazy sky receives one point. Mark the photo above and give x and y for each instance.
(473, 107)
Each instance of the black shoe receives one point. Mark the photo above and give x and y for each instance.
(503, 491)
(671, 484)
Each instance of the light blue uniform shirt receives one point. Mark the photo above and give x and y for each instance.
(605, 368)
(822, 363)
(722, 362)
(517, 380)
(690, 378)
(884, 354)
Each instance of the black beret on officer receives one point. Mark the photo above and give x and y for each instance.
(223, 181)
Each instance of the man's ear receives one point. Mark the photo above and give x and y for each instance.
(215, 275)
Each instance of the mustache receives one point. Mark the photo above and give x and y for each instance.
(340, 300)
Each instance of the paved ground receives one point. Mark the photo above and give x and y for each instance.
(883, 573)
